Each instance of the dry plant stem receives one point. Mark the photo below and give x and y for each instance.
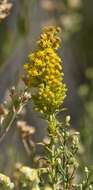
(11, 120)
(28, 145)
(8, 127)
(28, 150)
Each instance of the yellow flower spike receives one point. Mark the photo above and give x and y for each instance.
(44, 71)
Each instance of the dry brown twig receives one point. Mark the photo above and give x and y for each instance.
(26, 132)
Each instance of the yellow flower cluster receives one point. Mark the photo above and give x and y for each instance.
(44, 73)
(5, 182)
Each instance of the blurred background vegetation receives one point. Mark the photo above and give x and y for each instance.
(18, 34)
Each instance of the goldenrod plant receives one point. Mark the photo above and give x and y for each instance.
(43, 78)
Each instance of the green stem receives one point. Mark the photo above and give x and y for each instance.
(51, 130)
(64, 143)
